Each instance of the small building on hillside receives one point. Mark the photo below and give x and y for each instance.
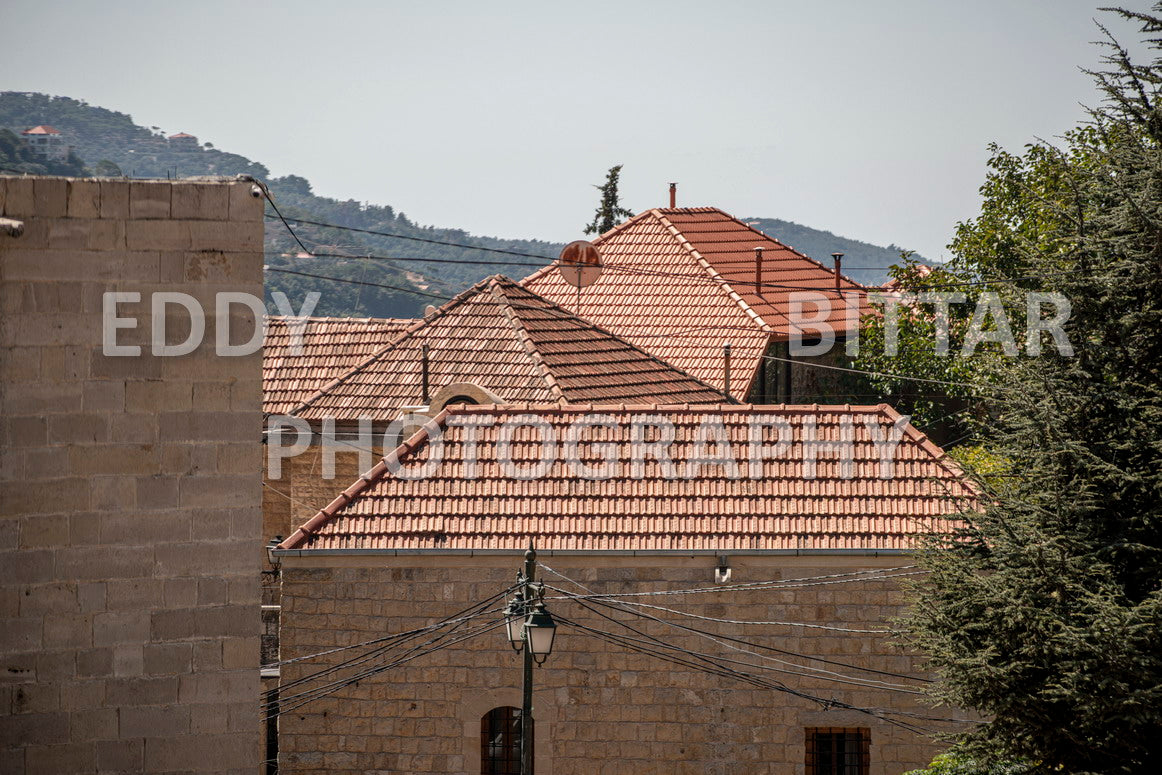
(723, 579)
(183, 142)
(46, 141)
(686, 283)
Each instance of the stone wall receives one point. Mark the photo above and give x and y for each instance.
(129, 486)
(598, 707)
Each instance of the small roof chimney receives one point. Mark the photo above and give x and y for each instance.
(673, 195)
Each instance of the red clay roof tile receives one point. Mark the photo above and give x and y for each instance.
(681, 283)
(641, 509)
(507, 340)
(330, 348)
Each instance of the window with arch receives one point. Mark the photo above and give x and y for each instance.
(500, 733)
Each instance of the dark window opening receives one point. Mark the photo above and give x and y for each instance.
(838, 751)
(500, 734)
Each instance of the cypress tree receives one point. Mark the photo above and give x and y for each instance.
(609, 210)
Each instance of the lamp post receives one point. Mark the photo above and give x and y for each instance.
(530, 629)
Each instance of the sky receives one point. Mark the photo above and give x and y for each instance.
(868, 119)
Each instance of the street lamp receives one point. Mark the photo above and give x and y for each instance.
(531, 629)
(514, 621)
(539, 632)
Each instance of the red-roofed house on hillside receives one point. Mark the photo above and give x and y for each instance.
(684, 282)
(183, 142)
(711, 617)
(46, 141)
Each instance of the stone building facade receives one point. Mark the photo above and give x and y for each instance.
(730, 620)
(129, 486)
(601, 707)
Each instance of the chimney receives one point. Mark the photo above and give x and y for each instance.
(424, 388)
(726, 368)
(758, 270)
(838, 260)
(673, 195)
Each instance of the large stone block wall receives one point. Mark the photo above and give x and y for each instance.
(129, 486)
(598, 707)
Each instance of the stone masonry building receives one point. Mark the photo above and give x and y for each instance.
(710, 620)
(129, 486)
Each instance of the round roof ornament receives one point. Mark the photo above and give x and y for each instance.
(580, 263)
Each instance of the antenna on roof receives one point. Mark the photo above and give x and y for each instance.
(838, 259)
(673, 195)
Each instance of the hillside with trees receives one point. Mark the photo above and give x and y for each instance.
(427, 268)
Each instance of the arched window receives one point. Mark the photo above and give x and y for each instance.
(500, 731)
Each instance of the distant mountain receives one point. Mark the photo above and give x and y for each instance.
(110, 143)
(862, 261)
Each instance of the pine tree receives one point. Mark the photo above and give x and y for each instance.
(1044, 614)
(609, 212)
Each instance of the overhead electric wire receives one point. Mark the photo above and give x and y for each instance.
(812, 364)
(428, 240)
(412, 291)
(708, 664)
(414, 654)
(702, 633)
(391, 641)
(602, 600)
(324, 689)
(614, 267)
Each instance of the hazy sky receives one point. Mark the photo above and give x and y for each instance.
(870, 119)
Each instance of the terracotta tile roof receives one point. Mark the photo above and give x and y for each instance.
(182, 136)
(330, 348)
(782, 509)
(507, 340)
(43, 129)
(681, 283)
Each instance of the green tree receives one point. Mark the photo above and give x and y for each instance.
(1044, 613)
(609, 211)
(107, 169)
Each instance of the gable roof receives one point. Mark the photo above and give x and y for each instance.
(680, 282)
(330, 348)
(43, 129)
(645, 511)
(182, 136)
(509, 341)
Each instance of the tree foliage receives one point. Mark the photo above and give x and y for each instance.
(1044, 614)
(609, 210)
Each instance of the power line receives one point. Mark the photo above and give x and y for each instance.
(413, 654)
(412, 291)
(430, 241)
(602, 600)
(393, 641)
(613, 267)
(710, 664)
(888, 375)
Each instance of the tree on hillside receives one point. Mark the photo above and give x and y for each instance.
(1044, 613)
(609, 211)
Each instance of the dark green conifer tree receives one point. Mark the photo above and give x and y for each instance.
(609, 212)
(1045, 613)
